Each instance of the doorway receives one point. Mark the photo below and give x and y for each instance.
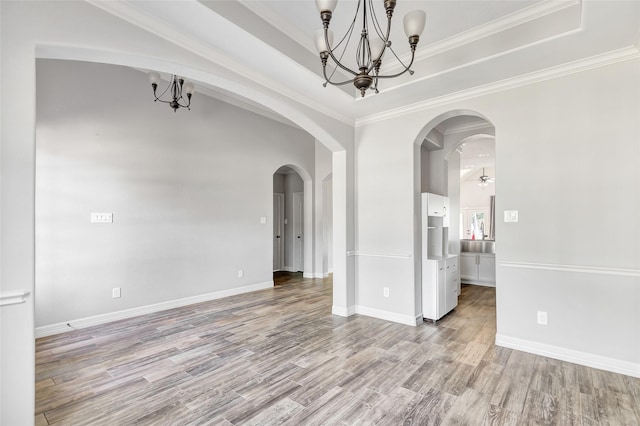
(278, 231)
(453, 152)
(298, 230)
(288, 221)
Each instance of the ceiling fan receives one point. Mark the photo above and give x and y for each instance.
(485, 180)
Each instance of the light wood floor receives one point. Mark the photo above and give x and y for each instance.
(278, 356)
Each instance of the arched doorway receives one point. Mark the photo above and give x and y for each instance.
(440, 169)
(288, 221)
(290, 236)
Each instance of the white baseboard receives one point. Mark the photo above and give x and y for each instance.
(49, 330)
(315, 275)
(342, 311)
(289, 269)
(482, 283)
(570, 355)
(388, 316)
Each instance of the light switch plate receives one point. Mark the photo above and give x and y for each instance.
(101, 217)
(543, 318)
(263, 220)
(511, 215)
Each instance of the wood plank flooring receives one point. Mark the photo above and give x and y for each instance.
(278, 356)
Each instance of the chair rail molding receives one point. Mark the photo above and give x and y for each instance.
(573, 268)
(13, 297)
(376, 254)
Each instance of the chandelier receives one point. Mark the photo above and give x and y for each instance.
(373, 43)
(176, 89)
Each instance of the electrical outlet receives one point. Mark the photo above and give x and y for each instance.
(240, 273)
(115, 292)
(386, 291)
(542, 318)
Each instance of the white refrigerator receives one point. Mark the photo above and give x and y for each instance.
(440, 270)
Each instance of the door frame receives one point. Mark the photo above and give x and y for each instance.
(298, 231)
(278, 240)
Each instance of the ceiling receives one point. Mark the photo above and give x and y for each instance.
(476, 155)
(297, 20)
(468, 47)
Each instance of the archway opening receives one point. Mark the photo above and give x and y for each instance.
(288, 224)
(452, 151)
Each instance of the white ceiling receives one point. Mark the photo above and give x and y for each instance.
(476, 155)
(298, 19)
(468, 47)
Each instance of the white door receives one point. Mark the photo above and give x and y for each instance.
(278, 231)
(298, 226)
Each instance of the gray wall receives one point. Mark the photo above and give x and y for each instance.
(569, 161)
(186, 190)
(278, 183)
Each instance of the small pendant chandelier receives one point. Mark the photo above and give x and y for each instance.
(178, 87)
(373, 44)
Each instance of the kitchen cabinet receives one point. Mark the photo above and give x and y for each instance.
(478, 268)
(440, 287)
(438, 206)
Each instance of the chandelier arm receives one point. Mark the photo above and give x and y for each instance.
(337, 62)
(332, 73)
(328, 79)
(340, 83)
(376, 24)
(161, 94)
(349, 31)
(163, 101)
(347, 36)
(406, 67)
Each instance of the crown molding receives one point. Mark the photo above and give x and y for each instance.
(596, 61)
(496, 26)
